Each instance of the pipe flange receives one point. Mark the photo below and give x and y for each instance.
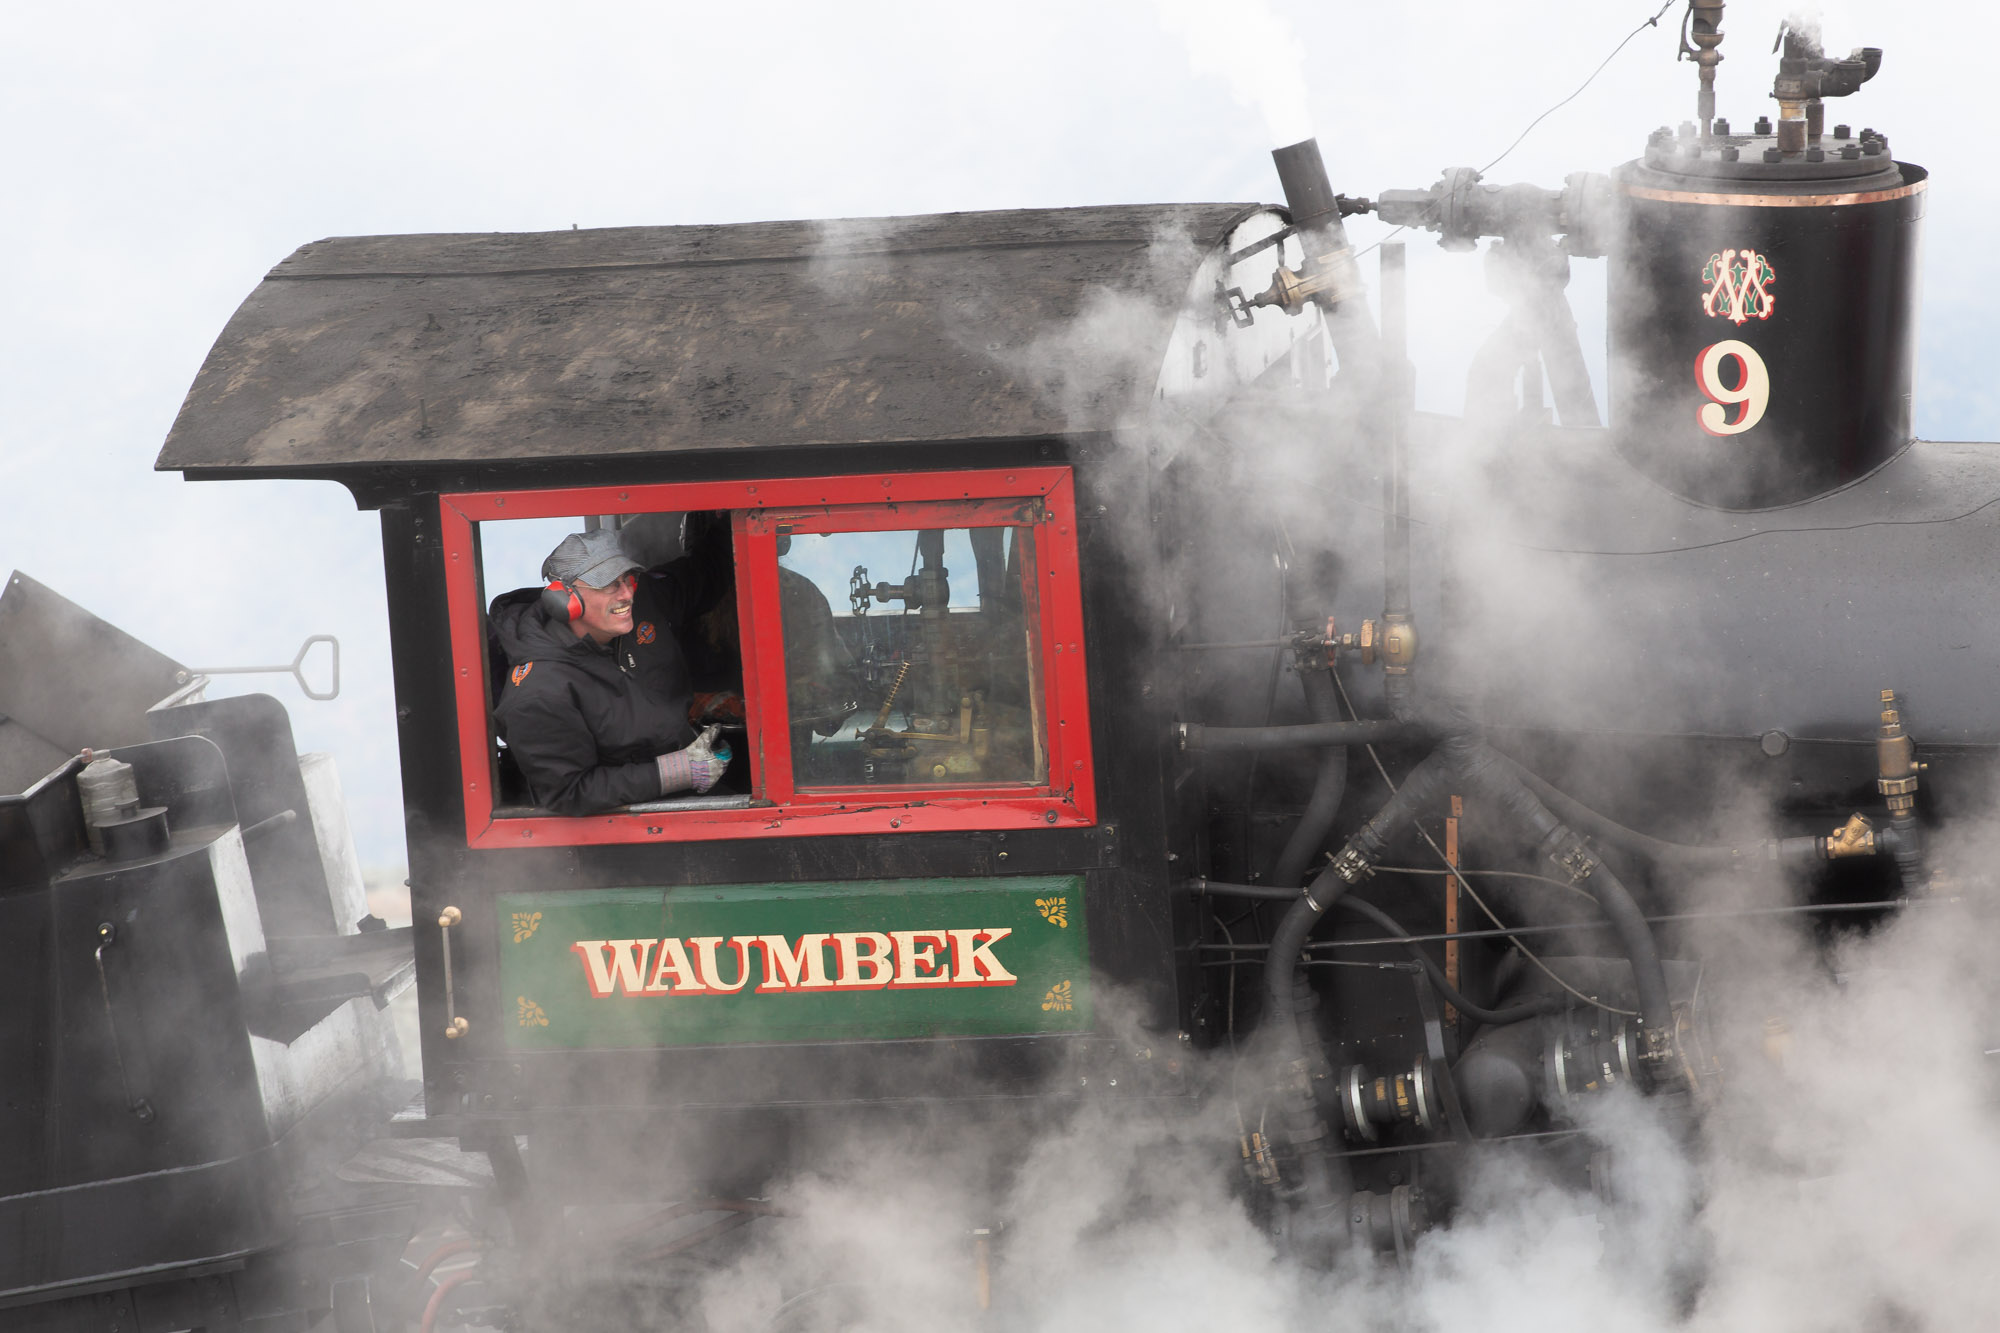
(1421, 1093)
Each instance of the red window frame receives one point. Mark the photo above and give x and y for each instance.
(886, 502)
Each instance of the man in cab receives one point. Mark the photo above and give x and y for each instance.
(595, 702)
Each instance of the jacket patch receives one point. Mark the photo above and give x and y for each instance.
(646, 632)
(520, 673)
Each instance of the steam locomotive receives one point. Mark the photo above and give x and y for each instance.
(1100, 793)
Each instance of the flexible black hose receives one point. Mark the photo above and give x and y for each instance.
(1329, 787)
(1293, 736)
(1424, 785)
(1324, 1178)
(1610, 830)
(1488, 773)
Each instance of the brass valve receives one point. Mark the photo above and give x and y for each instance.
(1367, 643)
(1896, 759)
(1399, 645)
(1854, 838)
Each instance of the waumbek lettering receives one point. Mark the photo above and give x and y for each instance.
(788, 965)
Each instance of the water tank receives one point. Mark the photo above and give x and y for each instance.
(1762, 311)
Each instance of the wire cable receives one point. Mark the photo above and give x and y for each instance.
(1496, 874)
(1652, 22)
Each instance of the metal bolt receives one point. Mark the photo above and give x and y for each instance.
(1763, 125)
(1731, 152)
(1842, 132)
(1722, 125)
(1049, 816)
(1815, 154)
(1773, 155)
(1850, 153)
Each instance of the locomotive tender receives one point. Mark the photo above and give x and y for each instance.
(1043, 818)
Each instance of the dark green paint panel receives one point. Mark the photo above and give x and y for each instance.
(1031, 927)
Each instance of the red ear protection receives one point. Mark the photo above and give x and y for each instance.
(560, 601)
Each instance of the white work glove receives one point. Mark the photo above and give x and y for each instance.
(696, 768)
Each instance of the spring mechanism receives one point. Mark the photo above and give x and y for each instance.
(889, 699)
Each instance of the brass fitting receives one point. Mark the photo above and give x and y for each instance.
(1896, 759)
(1367, 643)
(1854, 838)
(1328, 280)
(1399, 645)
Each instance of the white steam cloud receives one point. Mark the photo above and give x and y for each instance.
(1841, 1179)
(1254, 50)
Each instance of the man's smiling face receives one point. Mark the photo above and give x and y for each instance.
(607, 612)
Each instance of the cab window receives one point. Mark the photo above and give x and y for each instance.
(882, 654)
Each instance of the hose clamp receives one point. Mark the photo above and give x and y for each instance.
(1577, 862)
(1352, 866)
(1354, 1105)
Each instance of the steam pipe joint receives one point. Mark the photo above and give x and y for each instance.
(1370, 1103)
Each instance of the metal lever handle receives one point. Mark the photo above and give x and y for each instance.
(455, 1024)
(296, 669)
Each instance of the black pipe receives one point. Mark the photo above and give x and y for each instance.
(1904, 841)
(1308, 192)
(1324, 1178)
(1294, 736)
(1329, 786)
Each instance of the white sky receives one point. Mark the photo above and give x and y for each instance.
(159, 159)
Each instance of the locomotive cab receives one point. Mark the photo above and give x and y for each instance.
(937, 871)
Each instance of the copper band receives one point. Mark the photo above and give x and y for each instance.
(1774, 200)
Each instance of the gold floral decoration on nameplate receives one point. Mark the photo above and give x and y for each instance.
(532, 1014)
(1055, 910)
(525, 924)
(1059, 999)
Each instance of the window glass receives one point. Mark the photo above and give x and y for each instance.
(909, 657)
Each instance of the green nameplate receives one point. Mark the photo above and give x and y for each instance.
(711, 966)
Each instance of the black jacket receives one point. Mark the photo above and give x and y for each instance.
(585, 722)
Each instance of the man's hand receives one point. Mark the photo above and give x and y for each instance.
(697, 768)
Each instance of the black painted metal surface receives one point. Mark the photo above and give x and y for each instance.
(68, 679)
(1763, 352)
